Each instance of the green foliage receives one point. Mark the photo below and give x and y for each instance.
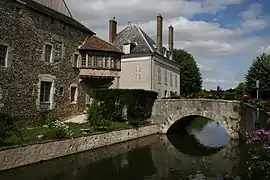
(241, 89)
(190, 76)
(7, 127)
(259, 70)
(112, 101)
(96, 116)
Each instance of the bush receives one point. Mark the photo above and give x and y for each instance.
(96, 117)
(7, 127)
(138, 102)
(58, 130)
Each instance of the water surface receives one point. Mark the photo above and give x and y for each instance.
(202, 153)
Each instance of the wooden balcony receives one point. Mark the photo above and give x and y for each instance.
(99, 66)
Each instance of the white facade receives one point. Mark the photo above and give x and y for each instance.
(150, 73)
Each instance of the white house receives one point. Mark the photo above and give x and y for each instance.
(146, 64)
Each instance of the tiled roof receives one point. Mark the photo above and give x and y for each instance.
(134, 34)
(98, 44)
(57, 15)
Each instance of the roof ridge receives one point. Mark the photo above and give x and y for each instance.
(140, 30)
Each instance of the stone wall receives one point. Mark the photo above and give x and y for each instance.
(21, 156)
(227, 113)
(69, 163)
(25, 31)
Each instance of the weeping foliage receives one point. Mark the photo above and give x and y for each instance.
(259, 70)
(190, 76)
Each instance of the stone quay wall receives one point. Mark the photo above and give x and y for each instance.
(21, 156)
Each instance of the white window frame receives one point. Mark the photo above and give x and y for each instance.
(74, 85)
(51, 79)
(159, 75)
(171, 78)
(73, 60)
(126, 48)
(6, 57)
(165, 77)
(44, 52)
(176, 80)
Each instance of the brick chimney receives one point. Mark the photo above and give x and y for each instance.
(170, 39)
(159, 33)
(112, 29)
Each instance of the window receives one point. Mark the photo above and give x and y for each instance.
(61, 91)
(159, 75)
(3, 55)
(126, 48)
(89, 61)
(165, 77)
(100, 61)
(75, 60)
(45, 92)
(73, 93)
(83, 64)
(95, 61)
(138, 72)
(171, 80)
(165, 93)
(48, 53)
(176, 80)
(106, 65)
(113, 62)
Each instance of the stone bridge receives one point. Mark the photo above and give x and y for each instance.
(170, 114)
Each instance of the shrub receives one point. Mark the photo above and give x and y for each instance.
(259, 154)
(96, 116)
(58, 130)
(138, 102)
(7, 127)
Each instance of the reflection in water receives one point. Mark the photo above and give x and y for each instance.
(172, 157)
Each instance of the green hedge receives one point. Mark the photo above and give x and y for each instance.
(138, 102)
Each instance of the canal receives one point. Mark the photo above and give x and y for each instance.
(202, 151)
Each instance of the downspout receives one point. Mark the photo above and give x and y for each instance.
(152, 72)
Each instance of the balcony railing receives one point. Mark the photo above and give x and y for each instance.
(100, 62)
(99, 66)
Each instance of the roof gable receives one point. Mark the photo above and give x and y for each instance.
(136, 36)
(98, 44)
(57, 5)
(57, 15)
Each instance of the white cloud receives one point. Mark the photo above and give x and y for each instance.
(212, 45)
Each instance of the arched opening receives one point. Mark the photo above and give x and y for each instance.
(198, 136)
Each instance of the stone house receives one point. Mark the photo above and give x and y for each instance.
(146, 64)
(49, 61)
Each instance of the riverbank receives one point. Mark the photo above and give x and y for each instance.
(25, 155)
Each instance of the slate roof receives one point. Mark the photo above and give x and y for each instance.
(135, 35)
(98, 44)
(57, 15)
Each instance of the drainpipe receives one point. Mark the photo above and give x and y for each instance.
(151, 72)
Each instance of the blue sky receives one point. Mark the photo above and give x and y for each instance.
(223, 35)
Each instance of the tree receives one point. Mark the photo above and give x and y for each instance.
(241, 89)
(259, 70)
(190, 76)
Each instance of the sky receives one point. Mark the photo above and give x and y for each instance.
(224, 36)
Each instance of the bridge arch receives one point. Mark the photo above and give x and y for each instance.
(169, 111)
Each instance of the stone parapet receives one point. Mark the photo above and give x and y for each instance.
(16, 157)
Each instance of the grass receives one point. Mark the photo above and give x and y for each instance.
(30, 135)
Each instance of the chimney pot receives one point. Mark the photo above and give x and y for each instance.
(159, 33)
(112, 29)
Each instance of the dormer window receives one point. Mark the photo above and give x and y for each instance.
(126, 48)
